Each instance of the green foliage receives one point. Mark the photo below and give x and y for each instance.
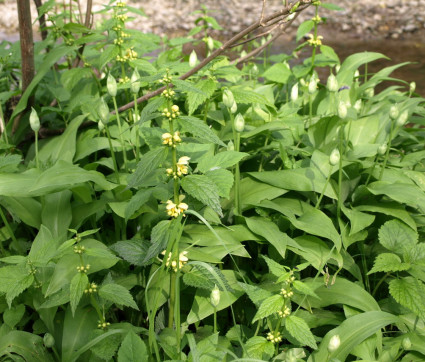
(166, 232)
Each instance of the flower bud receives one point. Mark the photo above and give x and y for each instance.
(402, 118)
(394, 112)
(239, 123)
(135, 83)
(234, 107)
(356, 75)
(255, 70)
(302, 82)
(34, 120)
(294, 92)
(48, 340)
(312, 86)
(111, 85)
(230, 146)
(332, 83)
(370, 92)
(358, 105)
(215, 296)
(228, 98)
(210, 43)
(193, 59)
(103, 112)
(382, 149)
(412, 87)
(337, 68)
(334, 157)
(334, 343)
(342, 110)
(406, 343)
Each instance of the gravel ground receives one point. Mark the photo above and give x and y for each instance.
(396, 19)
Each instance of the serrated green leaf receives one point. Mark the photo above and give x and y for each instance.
(223, 159)
(303, 288)
(159, 239)
(397, 236)
(10, 163)
(148, 163)
(274, 267)
(43, 247)
(150, 111)
(388, 262)
(132, 349)
(117, 294)
(137, 201)
(199, 129)
(208, 87)
(76, 289)
(201, 277)
(223, 179)
(107, 347)
(14, 279)
(203, 189)
(304, 28)
(300, 330)
(409, 292)
(269, 306)
(60, 298)
(255, 293)
(133, 251)
(330, 6)
(187, 86)
(246, 96)
(105, 254)
(14, 259)
(12, 316)
(259, 348)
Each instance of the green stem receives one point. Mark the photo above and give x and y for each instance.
(364, 265)
(341, 135)
(37, 162)
(95, 305)
(313, 55)
(237, 177)
(136, 124)
(324, 188)
(379, 283)
(172, 296)
(375, 162)
(120, 131)
(114, 161)
(387, 154)
(9, 229)
(215, 320)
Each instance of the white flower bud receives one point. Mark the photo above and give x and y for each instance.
(370, 92)
(215, 296)
(334, 343)
(402, 119)
(412, 87)
(302, 82)
(230, 146)
(332, 83)
(334, 157)
(48, 340)
(382, 149)
(342, 110)
(34, 120)
(239, 123)
(111, 85)
(356, 74)
(228, 98)
(210, 43)
(294, 92)
(337, 68)
(358, 105)
(100, 126)
(394, 112)
(234, 107)
(103, 111)
(135, 83)
(193, 59)
(312, 86)
(255, 70)
(406, 343)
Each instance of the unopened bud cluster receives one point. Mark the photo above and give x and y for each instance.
(274, 337)
(130, 54)
(166, 79)
(171, 113)
(314, 41)
(286, 292)
(168, 93)
(103, 324)
(183, 259)
(83, 268)
(91, 289)
(284, 312)
(79, 249)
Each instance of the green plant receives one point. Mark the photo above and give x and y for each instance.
(174, 196)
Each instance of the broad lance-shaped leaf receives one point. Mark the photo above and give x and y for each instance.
(132, 349)
(269, 306)
(117, 294)
(148, 163)
(223, 179)
(409, 292)
(195, 99)
(78, 284)
(203, 189)
(199, 130)
(223, 159)
(137, 201)
(299, 329)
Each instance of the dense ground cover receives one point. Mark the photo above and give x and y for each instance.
(251, 212)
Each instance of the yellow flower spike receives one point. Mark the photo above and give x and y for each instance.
(175, 108)
(176, 137)
(167, 139)
(182, 207)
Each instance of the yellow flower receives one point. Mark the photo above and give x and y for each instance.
(183, 259)
(182, 166)
(176, 137)
(167, 139)
(175, 210)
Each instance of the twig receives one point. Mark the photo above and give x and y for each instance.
(255, 37)
(262, 13)
(283, 12)
(41, 19)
